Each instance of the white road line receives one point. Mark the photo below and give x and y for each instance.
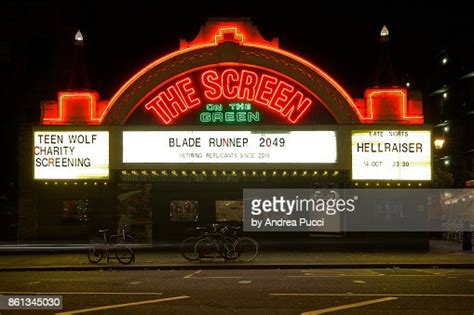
(192, 274)
(218, 277)
(315, 276)
(375, 294)
(81, 293)
(358, 281)
(348, 306)
(108, 307)
(358, 275)
(245, 281)
(135, 282)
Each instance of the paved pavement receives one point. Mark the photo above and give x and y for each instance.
(443, 254)
(305, 291)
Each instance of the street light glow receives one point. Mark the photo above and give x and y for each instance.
(439, 143)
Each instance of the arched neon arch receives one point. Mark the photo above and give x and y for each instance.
(229, 45)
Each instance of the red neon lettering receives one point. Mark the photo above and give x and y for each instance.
(248, 83)
(159, 109)
(188, 93)
(169, 103)
(282, 95)
(296, 107)
(265, 89)
(230, 83)
(209, 80)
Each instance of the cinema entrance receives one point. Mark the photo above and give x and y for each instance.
(178, 142)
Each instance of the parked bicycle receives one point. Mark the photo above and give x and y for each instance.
(222, 242)
(107, 246)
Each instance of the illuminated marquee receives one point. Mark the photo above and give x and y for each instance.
(229, 147)
(391, 154)
(71, 154)
(230, 84)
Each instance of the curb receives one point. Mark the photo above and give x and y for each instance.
(240, 266)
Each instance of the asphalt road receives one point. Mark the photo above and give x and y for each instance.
(338, 291)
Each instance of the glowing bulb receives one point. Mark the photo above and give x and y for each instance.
(78, 37)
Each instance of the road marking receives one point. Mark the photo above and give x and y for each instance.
(348, 306)
(135, 282)
(108, 307)
(217, 277)
(358, 281)
(245, 281)
(315, 276)
(359, 275)
(374, 294)
(83, 293)
(191, 274)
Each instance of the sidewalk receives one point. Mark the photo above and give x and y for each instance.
(443, 254)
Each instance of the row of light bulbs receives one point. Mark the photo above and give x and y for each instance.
(357, 184)
(65, 183)
(229, 173)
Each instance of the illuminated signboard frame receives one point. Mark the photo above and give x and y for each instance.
(230, 147)
(88, 154)
(406, 165)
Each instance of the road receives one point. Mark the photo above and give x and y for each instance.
(315, 291)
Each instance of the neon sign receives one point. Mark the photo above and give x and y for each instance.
(232, 113)
(224, 84)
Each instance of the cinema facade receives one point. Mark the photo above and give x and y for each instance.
(179, 141)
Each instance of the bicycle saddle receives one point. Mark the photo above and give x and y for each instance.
(103, 231)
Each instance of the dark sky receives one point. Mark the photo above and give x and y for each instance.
(341, 38)
(121, 37)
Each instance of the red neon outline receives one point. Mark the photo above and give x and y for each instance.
(279, 91)
(287, 113)
(404, 97)
(225, 85)
(281, 96)
(244, 85)
(189, 92)
(264, 80)
(215, 42)
(63, 95)
(227, 64)
(214, 75)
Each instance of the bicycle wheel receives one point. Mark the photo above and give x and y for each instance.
(125, 255)
(227, 248)
(95, 253)
(187, 248)
(206, 248)
(246, 249)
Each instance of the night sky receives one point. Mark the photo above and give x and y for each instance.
(342, 38)
(121, 37)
